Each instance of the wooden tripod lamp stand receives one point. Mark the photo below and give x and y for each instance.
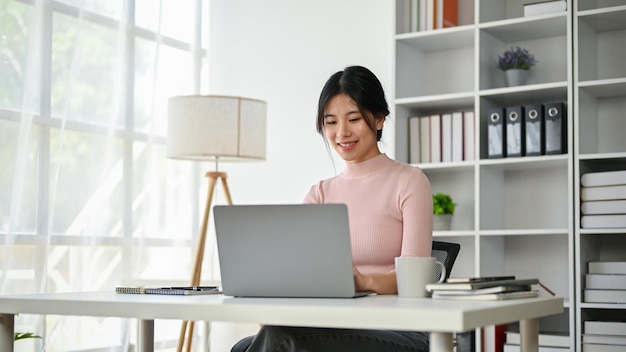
(213, 128)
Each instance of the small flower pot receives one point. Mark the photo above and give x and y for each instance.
(515, 77)
(442, 222)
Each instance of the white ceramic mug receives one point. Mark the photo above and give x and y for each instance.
(414, 273)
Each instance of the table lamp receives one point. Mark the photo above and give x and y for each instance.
(214, 128)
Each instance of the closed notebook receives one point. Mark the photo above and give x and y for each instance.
(176, 291)
(604, 207)
(603, 221)
(554, 339)
(606, 267)
(605, 339)
(603, 193)
(480, 278)
(593, 347)
(605, 327)
(488, 296)
(486, 290)
(604, 296)
(606, 178)
(478, 285)
(606, 281)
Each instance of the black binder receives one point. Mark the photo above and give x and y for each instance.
(535, 130)
(496, 133)
(556, 128)
(515, 128)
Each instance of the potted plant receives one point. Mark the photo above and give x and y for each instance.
(24, 335)
(516, 62)
(443, 209)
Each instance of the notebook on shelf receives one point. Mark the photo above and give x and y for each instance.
(285, 250)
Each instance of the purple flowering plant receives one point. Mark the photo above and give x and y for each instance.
(516, 58)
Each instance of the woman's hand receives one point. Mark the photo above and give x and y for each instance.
(382, 284)
(360, 280)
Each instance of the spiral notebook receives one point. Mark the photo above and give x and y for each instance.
(176, 291)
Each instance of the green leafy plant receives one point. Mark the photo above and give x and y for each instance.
(443, 204)
(25, 335)
(516, 58)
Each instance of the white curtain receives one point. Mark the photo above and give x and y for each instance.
(88, 199)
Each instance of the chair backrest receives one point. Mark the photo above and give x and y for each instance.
(445, 252)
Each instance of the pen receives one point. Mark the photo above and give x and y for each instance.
(192, 288)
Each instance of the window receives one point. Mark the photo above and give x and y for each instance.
(88, 199)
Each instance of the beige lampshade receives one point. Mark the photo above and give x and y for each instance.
(205, 127)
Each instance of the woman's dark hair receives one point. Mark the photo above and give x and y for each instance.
(362, 86)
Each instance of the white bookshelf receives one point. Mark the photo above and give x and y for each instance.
(514, 215)
(599, 32)
(520, 215)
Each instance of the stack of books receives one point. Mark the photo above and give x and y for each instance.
(484, 288)
(605, 282)
(604, 336)
(603, 199)
(446, 137)
(426, 15)
(544, 7)
(548, 342)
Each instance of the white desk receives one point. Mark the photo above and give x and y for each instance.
(440, 318)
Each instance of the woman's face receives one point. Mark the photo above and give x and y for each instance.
(347, 131)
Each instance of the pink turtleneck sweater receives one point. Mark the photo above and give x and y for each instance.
(390, 210)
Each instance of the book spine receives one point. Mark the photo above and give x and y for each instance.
(591, 347)
(430, 14)
(603, 221)
(457, 136)
(450, 13)
(425, 139)
(600, 207)
(603, 193)
(605, 327)
(435, 139)
(606, 268)
(605, 281)
(446, 138)
(414, 140)
(468, 135)
(605, 339)
(605, 296)
(607, 178)
(544, 7)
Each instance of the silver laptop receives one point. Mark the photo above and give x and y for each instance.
(294, 250)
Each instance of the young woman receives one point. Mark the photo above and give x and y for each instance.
(390, 214)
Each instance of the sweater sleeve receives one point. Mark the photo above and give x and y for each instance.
(416, 205)
(314, 195)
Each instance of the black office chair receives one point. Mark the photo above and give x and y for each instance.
(445, 252)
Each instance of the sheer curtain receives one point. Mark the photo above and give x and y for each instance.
(88, 199)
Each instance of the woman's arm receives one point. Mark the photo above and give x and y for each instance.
(383, 284)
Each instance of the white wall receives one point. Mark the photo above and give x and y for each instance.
(282, 51)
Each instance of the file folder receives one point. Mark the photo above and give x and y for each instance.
(556, 128)
(535, 130)
(496, 133)
(514, 131)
